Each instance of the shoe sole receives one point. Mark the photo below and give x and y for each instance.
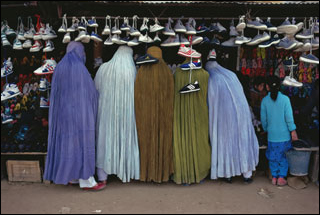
(47, 73)
(12, 96)
(185, 55)
(197, 41)
(96, 39)
(156, 30)
(289, 84)
(181, 31)
(35, 50)
(170, 44)
(191, 32)
(93, 25)
(273, 29)
(289, 29)
(125, 29)
(7, 121)
(291, 47)
(272, 43)
(186, 69)
(108, 44)
(147, 61)
(169, 34)
(190, 91)
(138, 34)
(44, 106)
(304, 37)
(37, 38)
(263, 28)
(105, 32)
(6, 75)
(133, 44)
(17, 48)
(116, 32)
(306, 60)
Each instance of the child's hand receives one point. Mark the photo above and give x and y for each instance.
(294, 135)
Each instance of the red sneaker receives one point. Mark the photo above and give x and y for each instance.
(282, 182)
(98, 187)
(274, 181)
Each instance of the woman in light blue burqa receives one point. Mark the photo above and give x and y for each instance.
(72, 122)
(235, 148)
(117, 140)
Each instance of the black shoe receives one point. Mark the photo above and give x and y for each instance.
(146, 59)
(228, 180)
(247, 180)
(189, 88)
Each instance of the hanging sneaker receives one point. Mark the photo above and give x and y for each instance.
(4, 40)
(49, 33)
(193, 65)
(144, 27)
(108, 41)
(6, 69)
(49, 46)
(196, 40)
(241, 25)
(171, 41)
(124, 40)
(305, 47)
(134, 42)
(63, 28)
(125, 26)
(115, 29)
(168, 29)
(259, 39)
(310, 58)
(212, 54)
(156, 27)
(147, 58)
(10, 91)
(27, 44)
(21, 33)
(82, 26)
(202, 28)
(286, 27)
(270, 27)
(189, 88)
(188, 52)
(145, 39)
(315, 43)
(220, 28)
(30, 33)
(134, 32)
(36, 46)
(5, 119)
(43, 84)
(10, 32)
(115, 38)
(93, 23)
(47, 68)
(184, 40)
(179, 27)
(257, 24)
(74, 25)
(286, 44)
(242, 40)
(215, 42)
(274, 41)
(17, 45)
(107, 29)
(38, 34)
(44, 103)
(190, 26)
(214, 28)
(230, 42)
(95, 37)
(157, 38)
(66, 38)
(305, 34)
(80, 36)
(86, 38)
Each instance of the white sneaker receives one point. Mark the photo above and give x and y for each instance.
(49, 33)
(7, 67)
(36, 46)
(144, 26)
(86, 38)
(43, 84)
(63, 28)
(145, 39)
(66, 38)
(156, 27)
(134, 42)
(17, 45)
(11, 91)
(80, 36)
(49, 46)
(108, 41)
(291, 82)
(157, 38)
(241, 25)
(47, 68)
(107, 29)
(188, 52)
(27, 44)
(115, 38)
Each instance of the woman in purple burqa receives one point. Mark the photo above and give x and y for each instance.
(72, 120)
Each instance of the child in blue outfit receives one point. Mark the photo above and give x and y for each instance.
(277, 120)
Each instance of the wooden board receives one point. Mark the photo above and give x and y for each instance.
(23, 171)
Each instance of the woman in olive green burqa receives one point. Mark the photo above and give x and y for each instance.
(192, 151)
(154, 95)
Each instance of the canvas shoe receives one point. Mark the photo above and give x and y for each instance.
(188, 52)
(82, 25)
(193, 65)
(38, 34)
(134, 42)
(286, 44)
(47, 68)
(242, 40)
(305, 47)
(212, 54)
(80, 36)
(115, 29)
(179, 27)
(93, 23)
(171, 41)
(156, 27)
(184, 40)
(125, 26)
(17, 45)
(305, 34)
(196, 40)
(10, 32)
(49, 33)
(115, 39)
(287, 27)
(270, 27)
(168, 29)
(86, 38)
(108, 41)
(27, 44)
(145, 39)
(157, 38)
(11, 91)
(30, 33)
(44, 103)
(63, 27)
(49, 46)
(147, 58)
(21, 33)
(134, 32)
(144, 27)
(95, 37)
(7, 67)
(190, 26)
(259, 39)
(230, 42)
(299, 25)
(66, 38)
(241, 25)
(274, 41)
(36, 46)
(257, 24)
(74, 25)
(107, 29)
(233, 32)
(310, 58)
(189, 88)
(43, 84)
(4, 40)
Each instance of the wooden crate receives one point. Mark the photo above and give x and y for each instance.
(23, 171)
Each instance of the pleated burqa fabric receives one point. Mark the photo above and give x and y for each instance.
(190, 131)
(117, 140)
(154, 96)
(72, 119)
(235, 148)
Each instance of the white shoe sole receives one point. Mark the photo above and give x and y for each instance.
(147, 61)
(35, 50)
(180, 31)
(191, 32)
(187, 69)
(116, 32)
(94, 25)
(306, 60)
(304, 36)
(290, 84)
(241, 26)
(263, 27)
(10, 97)
(48, 50)
(291, 47)
(185, 55)
(108, 43)
(156, 30)
(190, 91)
(49, 37)
(169, 33)
(289, 29)
(96, 39)
(197, 41)
(133, 44)
(170, 44)
(7, 121)
(273, 29)
(17, 48)
(106, 32)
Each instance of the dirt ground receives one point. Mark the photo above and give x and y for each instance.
(138, 197)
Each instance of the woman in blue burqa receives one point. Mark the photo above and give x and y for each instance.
(235, 148)
(72, 121)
